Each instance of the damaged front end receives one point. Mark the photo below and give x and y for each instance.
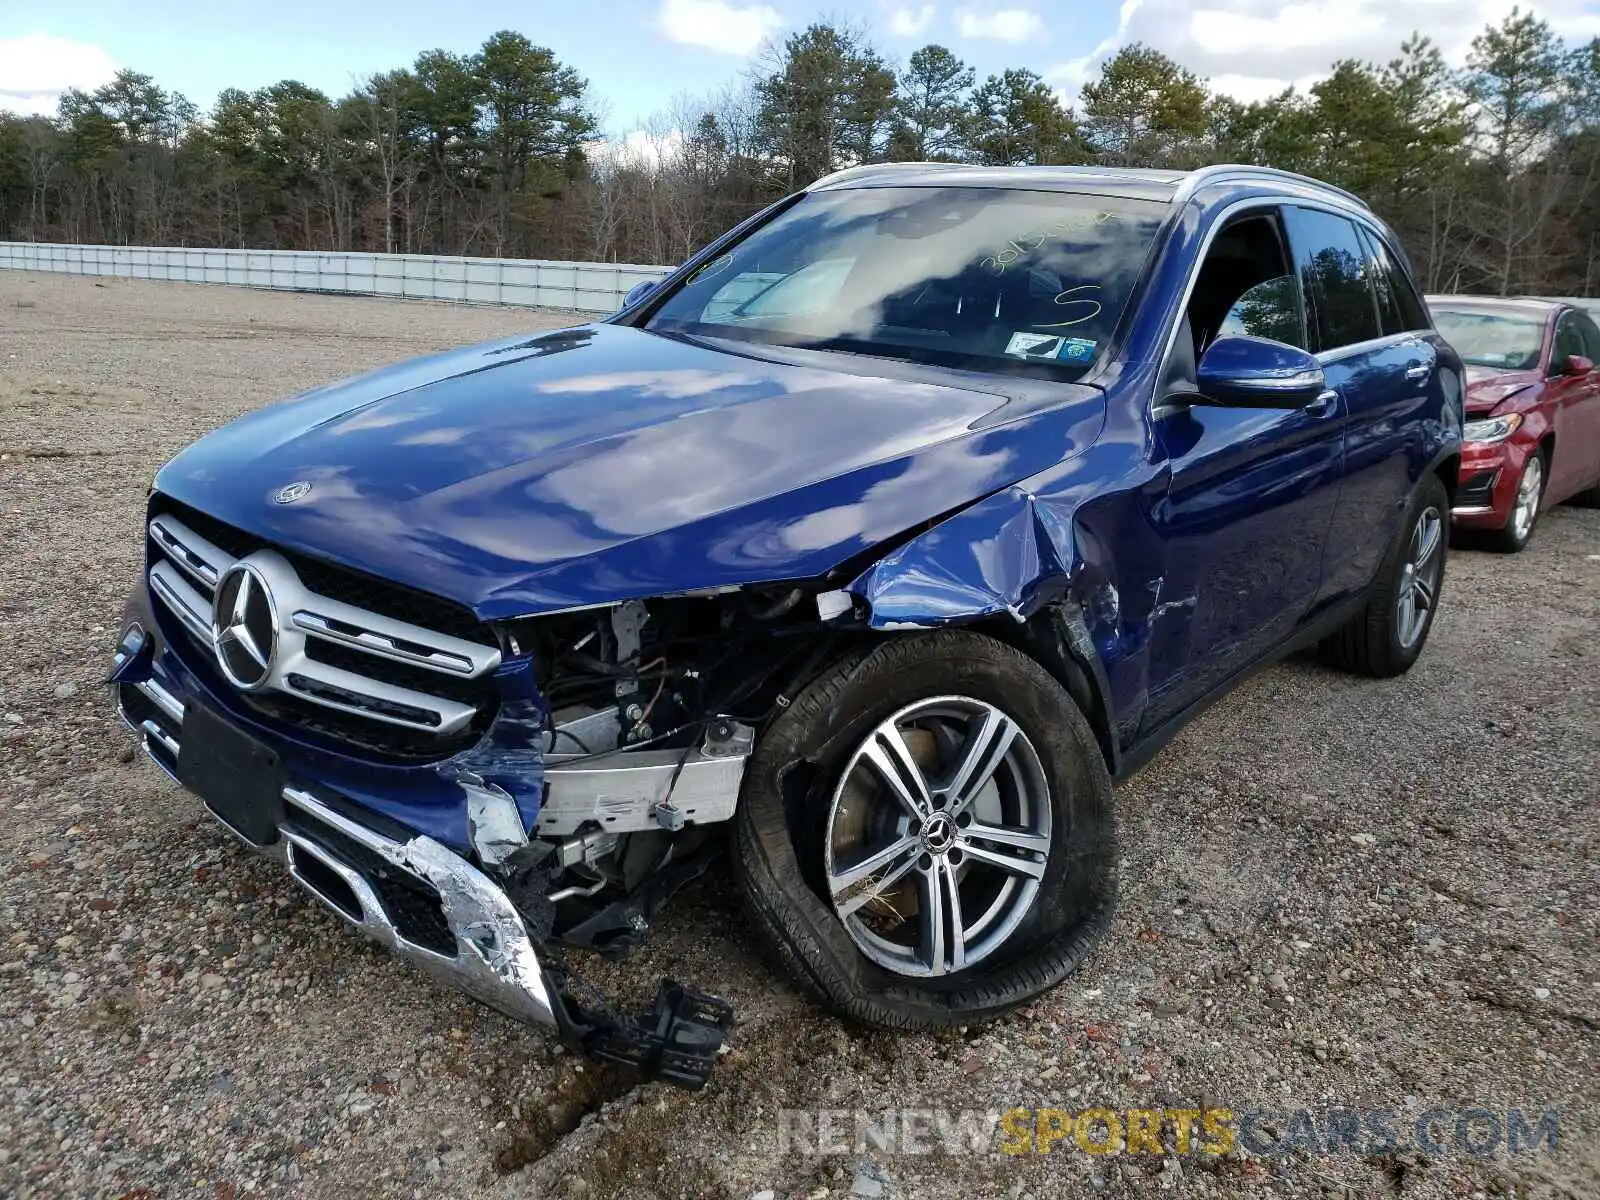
(615, 741)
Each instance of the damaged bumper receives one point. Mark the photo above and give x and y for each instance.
(431, 906)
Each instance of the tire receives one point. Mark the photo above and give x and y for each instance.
(798, 791)
(1519, 524)
(1374, 642)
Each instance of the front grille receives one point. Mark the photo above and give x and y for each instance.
(412, 905)
(348, 586)
(379, 668)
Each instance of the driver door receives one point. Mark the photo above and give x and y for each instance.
(1252, 491)
(1575, 398)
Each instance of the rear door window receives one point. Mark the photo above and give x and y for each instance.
(1335, 270)
(1399, 307)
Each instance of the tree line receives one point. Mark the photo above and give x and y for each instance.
(1490, 172)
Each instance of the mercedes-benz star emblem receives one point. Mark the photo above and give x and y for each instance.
(290, 492)
(244, 627)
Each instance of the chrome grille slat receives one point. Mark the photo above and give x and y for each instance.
(188, 605)
(453, 715)
(186, 571)
(190, 552)
(382, 636)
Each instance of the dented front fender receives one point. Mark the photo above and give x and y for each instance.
(1007, 554)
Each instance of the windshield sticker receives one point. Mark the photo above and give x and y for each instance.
(1034, 345)
(1078, 350)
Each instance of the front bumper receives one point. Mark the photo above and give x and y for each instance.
(438, 911)
(493, 958)
(1487, 487)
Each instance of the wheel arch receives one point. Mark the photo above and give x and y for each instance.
(1057, 638)
(1449, 472)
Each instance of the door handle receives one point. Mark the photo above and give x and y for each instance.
(1323, 404)
(1419, 371)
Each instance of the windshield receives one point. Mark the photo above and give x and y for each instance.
(958, 276)
(1492, 339)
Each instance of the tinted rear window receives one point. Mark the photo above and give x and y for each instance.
(1335, 269)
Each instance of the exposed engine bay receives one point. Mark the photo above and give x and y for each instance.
(654, 708)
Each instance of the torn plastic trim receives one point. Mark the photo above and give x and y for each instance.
(495, 960)
(494, 822)
(498, 959)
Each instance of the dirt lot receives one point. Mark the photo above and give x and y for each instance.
(1337, 892)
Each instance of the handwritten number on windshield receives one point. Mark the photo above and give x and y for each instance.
(715, 267)
(1032, 240)
(1073, 299)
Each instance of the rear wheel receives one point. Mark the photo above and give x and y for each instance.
(1524, 508)
(1386, 637)
(925, 836)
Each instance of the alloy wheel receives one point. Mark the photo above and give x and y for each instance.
(1528, 492)
(938, 835)
(1419, 582)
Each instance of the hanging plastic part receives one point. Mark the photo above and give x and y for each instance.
(677, 1041)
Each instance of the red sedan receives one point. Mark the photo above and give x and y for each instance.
(1532, 436)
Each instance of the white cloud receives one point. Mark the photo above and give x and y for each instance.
(716, 25)
(643, 148)
(37, 67)
(911, 22)
(1002, 25)
(1253, 49)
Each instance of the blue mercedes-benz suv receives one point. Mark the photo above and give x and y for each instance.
(871, 545)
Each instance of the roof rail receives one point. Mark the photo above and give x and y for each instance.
(1195, 180)
(886, 168)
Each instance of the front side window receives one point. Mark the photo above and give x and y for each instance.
(1590, 333)
(958, 276)
(1484, 338)
(1568, 342)
(1333, 265)
(1268, 310)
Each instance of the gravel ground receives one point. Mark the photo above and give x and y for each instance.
(1371, 894)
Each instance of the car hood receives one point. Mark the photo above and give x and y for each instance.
(1487, 387)
(605, 463)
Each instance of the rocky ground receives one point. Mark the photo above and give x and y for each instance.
(1336, 892)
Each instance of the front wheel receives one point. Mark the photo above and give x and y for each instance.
(925, 837)
(1524, 508)
(1385, 638)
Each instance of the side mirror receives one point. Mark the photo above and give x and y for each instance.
(1577, 364)
(638, 292)
(1252, 372)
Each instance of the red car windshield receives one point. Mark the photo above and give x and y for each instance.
(1485, 339)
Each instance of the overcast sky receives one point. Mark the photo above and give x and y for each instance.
(638, 54)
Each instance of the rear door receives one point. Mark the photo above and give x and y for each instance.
(1384, 376)
(1575, 397)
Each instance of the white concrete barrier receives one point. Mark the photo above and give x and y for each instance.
(586, 287)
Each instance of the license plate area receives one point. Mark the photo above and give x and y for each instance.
(238, 777)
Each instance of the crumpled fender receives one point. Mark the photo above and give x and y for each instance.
(1007, 554)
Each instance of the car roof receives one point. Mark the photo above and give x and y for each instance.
(1145, 183)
